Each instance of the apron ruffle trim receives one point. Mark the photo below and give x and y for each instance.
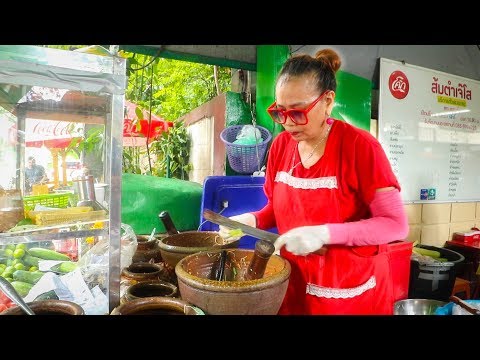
(335, 293)
(328, 182)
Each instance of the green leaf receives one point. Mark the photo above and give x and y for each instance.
(138, 113)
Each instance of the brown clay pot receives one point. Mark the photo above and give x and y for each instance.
(48, 307)
(156, 306)
(235, 296)
(142, 271)
(149, 289)
(147, 250)
(175, 247)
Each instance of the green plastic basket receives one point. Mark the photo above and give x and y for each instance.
(50, 200)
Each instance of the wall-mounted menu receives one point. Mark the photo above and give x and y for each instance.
(429, 127)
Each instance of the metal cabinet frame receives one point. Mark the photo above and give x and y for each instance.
(38, 66)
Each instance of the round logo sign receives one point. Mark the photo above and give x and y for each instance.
(398, 84)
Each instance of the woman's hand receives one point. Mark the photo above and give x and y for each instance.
(304, 240)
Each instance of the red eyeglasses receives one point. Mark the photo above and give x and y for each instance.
(298, 116)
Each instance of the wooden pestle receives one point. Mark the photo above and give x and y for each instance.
(263, 250)
(168, 223)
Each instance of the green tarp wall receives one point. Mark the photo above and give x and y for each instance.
(144, 197)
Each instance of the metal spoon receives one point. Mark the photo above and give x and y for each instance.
(10, 291)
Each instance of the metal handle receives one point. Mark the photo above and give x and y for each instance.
(10, 291)
(168, 223)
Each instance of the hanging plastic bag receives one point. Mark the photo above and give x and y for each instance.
(95, 263)
(248, 135)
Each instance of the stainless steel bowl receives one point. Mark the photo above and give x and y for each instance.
(416, 306)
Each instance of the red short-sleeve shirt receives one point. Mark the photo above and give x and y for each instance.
(338, 188)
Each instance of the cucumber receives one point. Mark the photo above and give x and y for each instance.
(49, 295)
(65, 267)
(47, 254)
(426, 252)
(30, 277)
(31, 260)
(21, 287)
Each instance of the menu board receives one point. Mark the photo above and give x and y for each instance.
(429, 127)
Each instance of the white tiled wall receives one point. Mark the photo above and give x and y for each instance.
(434, 224)
(463, 212)
(436, 213)
(434, 235)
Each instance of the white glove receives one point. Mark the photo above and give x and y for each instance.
(246, 218)
(304, 240)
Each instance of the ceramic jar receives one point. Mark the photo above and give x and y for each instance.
(148, 289)
(157, 306)
(144, 271)
(48, 307)
(147, 250)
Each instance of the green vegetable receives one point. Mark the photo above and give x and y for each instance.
(426, 252)
(47, 254)
(31, 260)
(65, 267)
(22, 288)
(442, 259)
(23, 228)
(30, 277)
(236, 233)
(26, 221)
(49, 295)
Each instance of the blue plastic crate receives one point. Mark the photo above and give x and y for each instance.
(243, 193)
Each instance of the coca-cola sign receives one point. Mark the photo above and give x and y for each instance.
(39, 130)
(53, 128)
(398, 85)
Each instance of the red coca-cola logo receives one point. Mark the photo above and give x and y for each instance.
(398, 85)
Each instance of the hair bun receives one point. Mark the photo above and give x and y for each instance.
(329, 57)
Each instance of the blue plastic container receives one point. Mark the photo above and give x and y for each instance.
(243, 194)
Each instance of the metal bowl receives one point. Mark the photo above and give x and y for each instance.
(416, 307)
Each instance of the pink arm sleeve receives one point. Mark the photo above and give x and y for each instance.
(388, 223)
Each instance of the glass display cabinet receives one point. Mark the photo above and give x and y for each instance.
(60, 227)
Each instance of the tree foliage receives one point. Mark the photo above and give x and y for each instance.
(177, 86)
(171, 89)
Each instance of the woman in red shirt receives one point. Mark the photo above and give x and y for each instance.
(329, 184)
